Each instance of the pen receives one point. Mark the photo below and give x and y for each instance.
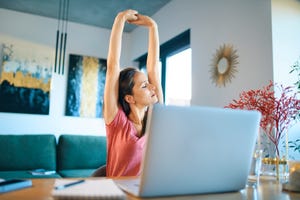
(60, 187)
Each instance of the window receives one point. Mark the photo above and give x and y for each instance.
(175, 58)
(178, 78)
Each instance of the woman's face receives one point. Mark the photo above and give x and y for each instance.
(143, 92)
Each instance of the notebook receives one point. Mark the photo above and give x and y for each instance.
(195, 150)
(87, 189)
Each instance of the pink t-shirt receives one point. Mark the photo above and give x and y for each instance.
(124, 148)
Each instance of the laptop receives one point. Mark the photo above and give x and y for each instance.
(195, 150)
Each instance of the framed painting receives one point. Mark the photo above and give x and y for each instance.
(25, 76)
(86, 80)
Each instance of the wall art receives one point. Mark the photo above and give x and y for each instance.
(224, 65)
(25, 76)
(86, 80)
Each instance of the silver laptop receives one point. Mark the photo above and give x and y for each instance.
(195, 150)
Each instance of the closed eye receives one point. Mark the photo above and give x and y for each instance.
(145, 84)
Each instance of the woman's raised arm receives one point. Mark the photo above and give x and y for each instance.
(113, 65)
(153, 61)
(153, 53)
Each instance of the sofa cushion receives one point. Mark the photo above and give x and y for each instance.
(80, 152)
(75, 173)
(27, 152)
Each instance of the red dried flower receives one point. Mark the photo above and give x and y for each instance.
(278, 113)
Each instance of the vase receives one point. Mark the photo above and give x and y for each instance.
(274, 158)
(276, 167)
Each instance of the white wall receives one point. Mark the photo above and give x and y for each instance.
(83, 40)
(245, 24)
(286, 48)
(286, 39)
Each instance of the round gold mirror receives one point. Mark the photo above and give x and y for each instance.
(224, 65)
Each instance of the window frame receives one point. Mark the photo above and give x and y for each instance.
(178, 43)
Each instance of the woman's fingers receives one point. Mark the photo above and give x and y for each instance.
(142, 20)
(131, 15)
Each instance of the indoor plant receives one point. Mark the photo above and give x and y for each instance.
(279, 110)
(296, 69)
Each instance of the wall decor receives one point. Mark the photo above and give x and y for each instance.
(25, 76)
(86, 80)
(224, 65)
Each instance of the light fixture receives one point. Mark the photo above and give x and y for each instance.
(61, 36)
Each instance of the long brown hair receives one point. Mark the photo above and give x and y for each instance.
(126, 83)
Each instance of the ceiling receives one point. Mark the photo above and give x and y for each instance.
(100, 13)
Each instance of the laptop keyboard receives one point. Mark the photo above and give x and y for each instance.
(129, 185)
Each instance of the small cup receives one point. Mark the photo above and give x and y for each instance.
(256, 164)
(294, 177)
(294, 173)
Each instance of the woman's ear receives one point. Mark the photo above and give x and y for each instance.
(129, 99)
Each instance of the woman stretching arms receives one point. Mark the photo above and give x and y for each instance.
(127, 95)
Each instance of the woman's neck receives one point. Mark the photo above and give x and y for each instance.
(137, 116)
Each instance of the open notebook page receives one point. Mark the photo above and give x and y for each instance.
(89, 189)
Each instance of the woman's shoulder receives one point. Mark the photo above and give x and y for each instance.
(120, 117)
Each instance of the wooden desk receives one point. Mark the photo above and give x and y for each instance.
(41, 190)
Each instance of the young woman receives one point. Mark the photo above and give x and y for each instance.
(127, 95)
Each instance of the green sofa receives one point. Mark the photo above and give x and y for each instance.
(65, 156)
(80, 156)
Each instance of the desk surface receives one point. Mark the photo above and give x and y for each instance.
(41, 190)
